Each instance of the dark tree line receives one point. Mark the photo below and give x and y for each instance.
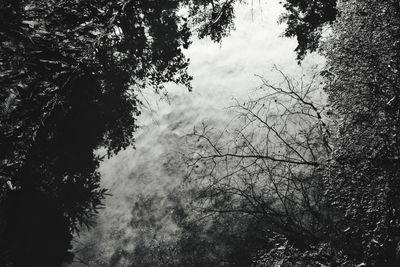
(70, 71)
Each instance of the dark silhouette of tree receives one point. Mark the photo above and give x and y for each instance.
(268, 164)
(305, 20)
(70, 72)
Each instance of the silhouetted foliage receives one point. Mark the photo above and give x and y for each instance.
(305, 20)
(35, 225)
(268, 164)
(69, 73)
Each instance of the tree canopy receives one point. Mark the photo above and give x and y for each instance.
(305, 20)
(69, 72)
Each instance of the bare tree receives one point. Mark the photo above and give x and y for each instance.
(267, 162)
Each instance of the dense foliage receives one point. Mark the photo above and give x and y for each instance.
(363, 178)
(305, 20)
(70, 72)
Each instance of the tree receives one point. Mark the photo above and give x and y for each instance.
(70, 72)
(363, 177)
(306, 20)
(269, 163)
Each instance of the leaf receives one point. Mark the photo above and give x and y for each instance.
(30, 23)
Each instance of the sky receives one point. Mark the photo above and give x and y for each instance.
(221, 73)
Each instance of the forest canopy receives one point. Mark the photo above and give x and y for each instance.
(70, 74)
